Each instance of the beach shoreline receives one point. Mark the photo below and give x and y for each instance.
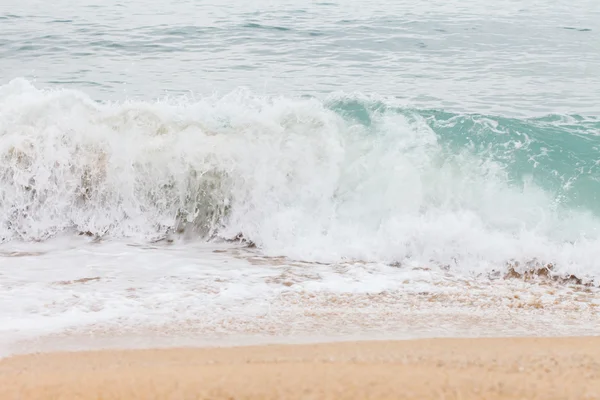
(491, 368)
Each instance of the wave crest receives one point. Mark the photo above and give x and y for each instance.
(347, 178)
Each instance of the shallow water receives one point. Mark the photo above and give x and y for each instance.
(74, 294)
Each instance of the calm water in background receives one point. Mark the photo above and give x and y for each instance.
(510, 57)
(416, 149)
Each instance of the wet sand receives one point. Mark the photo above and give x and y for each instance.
(508, 368)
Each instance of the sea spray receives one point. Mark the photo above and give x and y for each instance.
(344, 178)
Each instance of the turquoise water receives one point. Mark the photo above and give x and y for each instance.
(561, 153)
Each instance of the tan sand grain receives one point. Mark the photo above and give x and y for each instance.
(511, 368)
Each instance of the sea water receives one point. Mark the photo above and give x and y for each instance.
(299, 168)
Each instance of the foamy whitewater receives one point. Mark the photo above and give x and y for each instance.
(299, 212)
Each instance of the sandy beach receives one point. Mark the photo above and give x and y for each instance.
(509, 368)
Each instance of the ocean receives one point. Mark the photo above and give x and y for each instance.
(284, 170)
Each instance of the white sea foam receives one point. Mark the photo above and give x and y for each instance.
(73, 294)
(290, 175)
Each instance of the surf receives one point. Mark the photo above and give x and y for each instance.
(339, 178)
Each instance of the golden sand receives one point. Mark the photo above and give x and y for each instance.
(511, 368)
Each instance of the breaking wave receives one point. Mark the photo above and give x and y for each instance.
(342, 178)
